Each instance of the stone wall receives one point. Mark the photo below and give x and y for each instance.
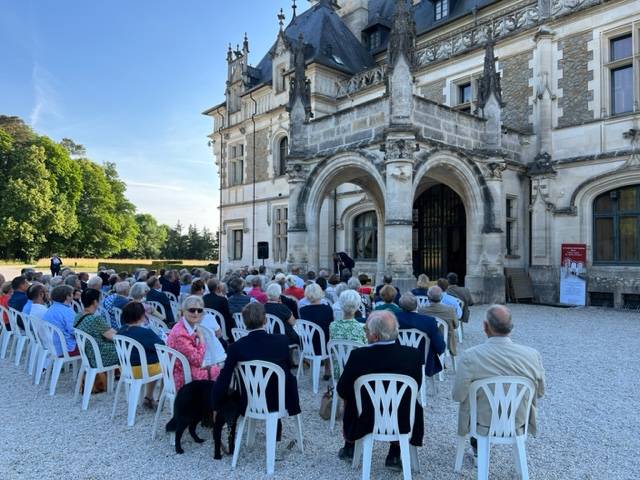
(433, 91)
(262, 152)
(516, 91)
(347, 129)
(575, 80)
(447, 125)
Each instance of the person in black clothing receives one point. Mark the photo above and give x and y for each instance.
(170, 282)
(155, 294)
(341, 261)
(55, 265)
(218, 302)
(383, 354)
(275, 307)
(259, 345)
(236, 297)
(321, 315)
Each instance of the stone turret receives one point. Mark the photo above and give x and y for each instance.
(490, 98)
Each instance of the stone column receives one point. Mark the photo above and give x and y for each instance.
(297, 245)
(544, 90)
(398, 223)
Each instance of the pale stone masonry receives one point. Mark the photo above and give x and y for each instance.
(475, 143)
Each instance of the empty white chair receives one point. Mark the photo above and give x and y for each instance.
(124, 347)
(255, 376)
(412, 337)
(171, 297)
(339, 351)
(21, 337)
(238, 333)
(237, 318)
(274, 324)
(307, 331)
(7, 337)
(444, 329)
(506, 395)
(168, 358)
(423, 301)
(157, 306)
(85, 340)
(220, 319)
(48, 333)
(35, 346)
(385, 392)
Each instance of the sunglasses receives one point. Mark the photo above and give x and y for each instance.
(195, 310)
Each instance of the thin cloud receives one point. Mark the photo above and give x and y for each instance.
(155, 186)
(46, 97)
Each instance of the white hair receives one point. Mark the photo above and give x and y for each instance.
(192, 301)
(122, 288)
(383, 324)
(291, 281)
(274, 290)
(94, 282)
(139, 290)
(349, 302)
(313, 292)
(341, 287)
(354, 283)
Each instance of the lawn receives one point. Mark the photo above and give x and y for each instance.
(91, 264)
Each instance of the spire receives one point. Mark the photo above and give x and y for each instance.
(281, 17)
(245, 44)
(489, 83)
(300, 85)
(230, 54)
(403, 33)
(294, 7)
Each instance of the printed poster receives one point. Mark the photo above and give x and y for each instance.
(573, 269)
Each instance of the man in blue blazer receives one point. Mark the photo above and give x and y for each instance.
(408, 318)
(156, 295)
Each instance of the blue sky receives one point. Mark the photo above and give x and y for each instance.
(128, 79)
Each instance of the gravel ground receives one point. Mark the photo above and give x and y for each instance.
(588, 423)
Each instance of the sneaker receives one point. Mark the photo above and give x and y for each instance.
(393, 462)
(346, 453)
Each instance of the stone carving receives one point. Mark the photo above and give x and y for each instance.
(541, 165)
(401, 174)
(561, 7)
(489, 83)
(494, 170)
(402, 39)
(296, 172)
(300, 85)
(361, 81)
(396, 149)
(633, 135)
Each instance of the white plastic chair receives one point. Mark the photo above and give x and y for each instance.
(171, 297)
(7, 336)
(412, 337)
(159, 327)
(239, 321)
(386, 391)
(168, 358)
(307, 331)
(220, 319)
(274, 324)
(43, 352)
(363, 310)
(48, 333)
(444, 329)
(175, 308)
(157, 306)
(77, 307)
(21, 337)
(339, 351)
(238, 333)
(505, 396)
(30, 329)
(84, 340)
(255, 376)
(124, 346)
(459, 329)
(423, 301)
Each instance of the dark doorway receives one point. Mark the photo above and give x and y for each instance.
(439, 233)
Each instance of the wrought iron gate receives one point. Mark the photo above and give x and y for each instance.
(439, 233)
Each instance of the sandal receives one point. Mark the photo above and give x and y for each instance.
(149, 403)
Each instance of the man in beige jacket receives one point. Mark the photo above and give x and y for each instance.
(498, 356)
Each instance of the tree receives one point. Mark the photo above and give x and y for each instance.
(151, 237)
(73, 149)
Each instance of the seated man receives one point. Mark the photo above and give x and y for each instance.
(443, 312)
(383, 354)
(19, 298)
(237, 298)
(498, 356)
(409, 318)
(259, 345)
(155, 294)
(61, 315)
(447, 299)
(460, 292)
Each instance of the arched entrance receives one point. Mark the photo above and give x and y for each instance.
(439, 233)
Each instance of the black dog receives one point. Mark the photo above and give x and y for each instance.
(193, 404)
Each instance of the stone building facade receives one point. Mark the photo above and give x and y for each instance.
(427, 136)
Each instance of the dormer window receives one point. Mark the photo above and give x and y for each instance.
(375, 39)
(442, 9)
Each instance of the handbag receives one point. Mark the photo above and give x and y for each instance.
(325, 403)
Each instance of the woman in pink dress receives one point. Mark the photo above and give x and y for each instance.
(186, 338)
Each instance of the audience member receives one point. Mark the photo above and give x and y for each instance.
(443, 312)
(497, 356)
(237, 298)
(365, 285)
(347, 328)
(330, 292)
(256, 290)
(383, 355)
(321, 315)
(274, 306)
(409, 318)
(61, 315)
(5, 296)
(95, 283)
(386, 280)
(155, 294)
(259, 345)
(171, 283)
(215, 300)
(461, 293)
(295, 273)
(98, 327)
(447, 299)
(84, 278)
(422, 286)
(388, 295)
(19, 286)
(37, 294)
(293, 290)
(133, 319)
(188, 339)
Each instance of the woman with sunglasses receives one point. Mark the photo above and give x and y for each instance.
(188, 339)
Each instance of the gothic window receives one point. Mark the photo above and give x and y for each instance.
(511, 230)
(283, 152)
(620, 73)
(280, 225)
(365, 236)
(236, 164)
(236, 246)
(616, 226)
(464, 96)
(442, 9)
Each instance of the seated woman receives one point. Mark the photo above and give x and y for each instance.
(138, 292)
(133, 320)
(274, 306)
(321, 315)
(388, 295)
(422, 286)
(188, 339)
(98, 327)
(347, 328)
(292, 290)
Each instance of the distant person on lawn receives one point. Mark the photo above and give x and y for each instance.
(55, 265)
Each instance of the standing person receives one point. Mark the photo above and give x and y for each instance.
(341, 261)
(497, 356)
(55, 264)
